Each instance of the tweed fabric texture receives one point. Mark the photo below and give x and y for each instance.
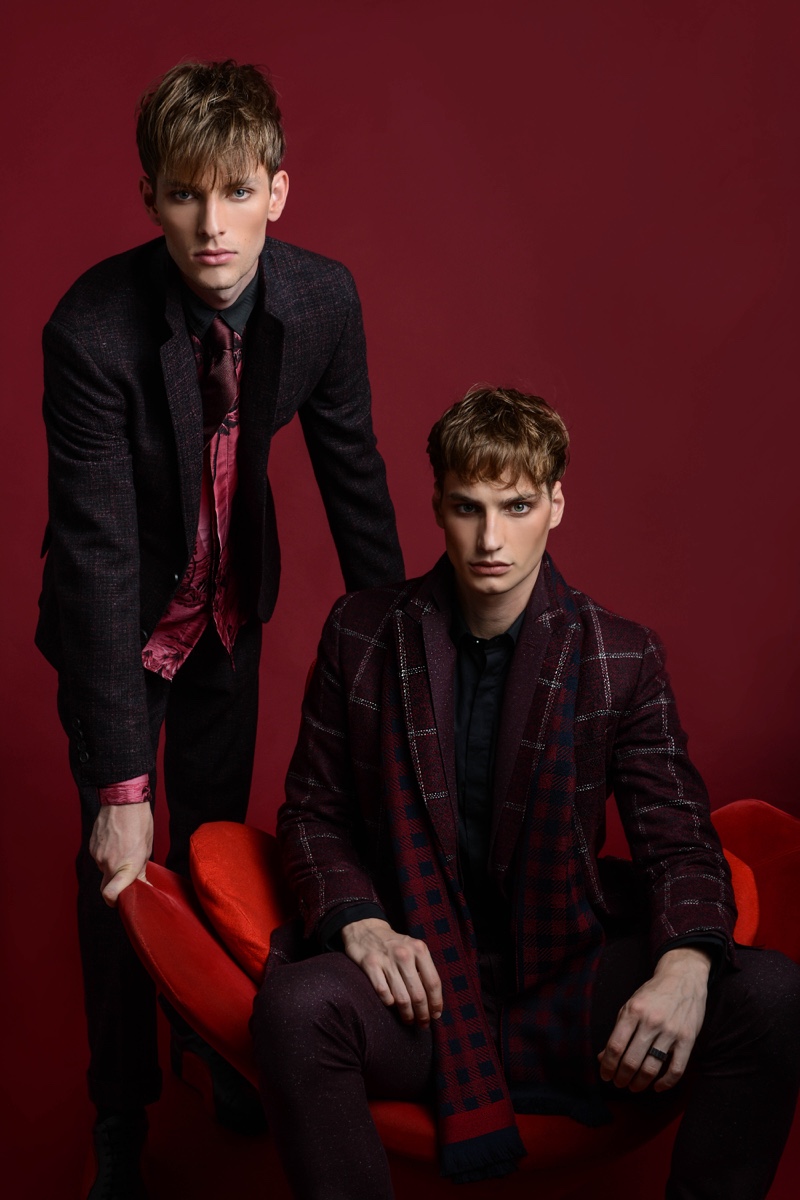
(124, 422)
(587, 709)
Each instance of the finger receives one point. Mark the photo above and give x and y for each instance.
(681, 1052)
(400, 993)
(611, 1054)
(650, 1067)
(431, 982)
(119, 881)
(377, 977)
(405, 958)
(634, 1057)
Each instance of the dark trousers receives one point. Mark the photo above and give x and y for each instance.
(325, 1043)
(209, 713)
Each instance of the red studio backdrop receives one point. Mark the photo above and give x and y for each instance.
(596, 202)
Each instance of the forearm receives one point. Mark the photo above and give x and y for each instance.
(321, 860)
(337, 426)
(665, 812)
(92, 575)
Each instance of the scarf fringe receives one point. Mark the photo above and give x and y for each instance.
(486, 1157)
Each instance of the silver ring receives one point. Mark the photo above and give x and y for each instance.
(661, 1055)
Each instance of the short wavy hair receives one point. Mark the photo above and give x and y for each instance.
(499, 435)
(217, 117)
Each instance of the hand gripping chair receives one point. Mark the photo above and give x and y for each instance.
(205, 943)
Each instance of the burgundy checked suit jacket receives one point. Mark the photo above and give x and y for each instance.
(123, 414)
(627, 737)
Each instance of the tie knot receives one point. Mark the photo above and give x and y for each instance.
(219, 337)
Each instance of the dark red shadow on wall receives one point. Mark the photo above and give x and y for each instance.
(598, 202)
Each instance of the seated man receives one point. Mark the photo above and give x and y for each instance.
(445, 808)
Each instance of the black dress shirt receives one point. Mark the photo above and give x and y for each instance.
(199, 315)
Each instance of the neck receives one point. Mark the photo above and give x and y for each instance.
(488, 616)
(225, 297)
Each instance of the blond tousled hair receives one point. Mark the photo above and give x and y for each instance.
(209, 118)
(500, 435)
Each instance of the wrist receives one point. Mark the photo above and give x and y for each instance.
(130, 791)
(353, 929)
(685, 958)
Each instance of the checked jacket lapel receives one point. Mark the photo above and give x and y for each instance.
(426, 657)
(537, 668)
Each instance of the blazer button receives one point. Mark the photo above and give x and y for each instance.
(83, 757)
(176, 577)
(144, 634)
(76, 724)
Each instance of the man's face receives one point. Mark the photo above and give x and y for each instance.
(216, 231)
(495, 536)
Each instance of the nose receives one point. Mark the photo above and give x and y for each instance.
(491, 533)
(211, 222)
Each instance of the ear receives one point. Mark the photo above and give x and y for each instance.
(557, 502)
(278, 194)
(436, 501)
(147, 192)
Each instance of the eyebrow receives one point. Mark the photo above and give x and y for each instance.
(193, 187)
(462, 498)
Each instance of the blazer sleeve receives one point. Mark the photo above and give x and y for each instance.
(665, 812)
(317, 825)
(93, 559)
(337, 426)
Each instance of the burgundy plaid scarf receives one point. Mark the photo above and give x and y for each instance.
(546, 1044)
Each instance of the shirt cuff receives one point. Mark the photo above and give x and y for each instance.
(713, 943)
(331, 925)
(130, 791)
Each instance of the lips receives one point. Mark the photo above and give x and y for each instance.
(214, 258)
(490, 568)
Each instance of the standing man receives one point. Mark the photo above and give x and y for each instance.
(445, 809)
(167, 371)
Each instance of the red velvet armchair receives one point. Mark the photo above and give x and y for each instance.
(205, 944)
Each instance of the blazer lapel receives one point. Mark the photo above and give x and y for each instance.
(525, 718)
(426, 656)
(185, 403)
(261, 373)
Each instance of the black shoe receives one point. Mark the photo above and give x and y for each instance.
(118, 1142)
(237, 1104)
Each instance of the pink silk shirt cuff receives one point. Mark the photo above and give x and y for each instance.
(130, 791)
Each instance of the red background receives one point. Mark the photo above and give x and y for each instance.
(594, 201)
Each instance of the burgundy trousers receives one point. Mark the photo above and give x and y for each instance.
(325, 1044)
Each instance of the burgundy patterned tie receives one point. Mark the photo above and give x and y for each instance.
(218, 386)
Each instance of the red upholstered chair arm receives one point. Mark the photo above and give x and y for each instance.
(189, 964)
(768, 840)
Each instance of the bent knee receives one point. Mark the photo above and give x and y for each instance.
(767, 988)
(306, 995)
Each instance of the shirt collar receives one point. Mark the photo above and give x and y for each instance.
(459, 627)
(199, 315)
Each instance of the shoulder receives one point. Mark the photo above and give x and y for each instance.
(368, 613)
(308, 275)
(603, 626)
(112, 293)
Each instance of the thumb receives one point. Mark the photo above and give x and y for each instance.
(117, 883)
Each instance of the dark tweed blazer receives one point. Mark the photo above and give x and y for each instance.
(627, 738)
(123, 415)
